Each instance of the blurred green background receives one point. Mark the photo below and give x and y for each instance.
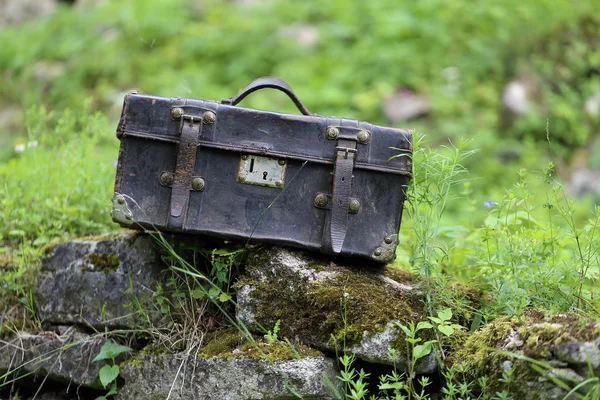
(507, 74)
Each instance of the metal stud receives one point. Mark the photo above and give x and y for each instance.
(244, 156)
(279, 183)
(167, 178)
(176, 113)
(241, 178)
(389, 240)
(354, 206)
(378, 252)
(208, 117)
(121, 200)
(332, 133)
(198, 184)
(363, 137)
(281, 162)
(321, 200)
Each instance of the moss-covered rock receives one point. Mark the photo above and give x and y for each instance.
(185, 376)
(65, 358)
(329, 306)
(102, 282)
(537, 349)
(231, 343)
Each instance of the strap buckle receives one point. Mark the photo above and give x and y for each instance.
(346, 150)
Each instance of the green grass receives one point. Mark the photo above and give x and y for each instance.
(64, 77)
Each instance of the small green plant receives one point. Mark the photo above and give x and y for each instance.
(442, 322)
(353, 380)
(458, 386)
(272, 335)
(109, 373)
(415, 348)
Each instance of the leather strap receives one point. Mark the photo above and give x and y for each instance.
(184, 170)
(342, 184)
(268, 82)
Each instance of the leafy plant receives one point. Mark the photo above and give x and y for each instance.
(272, 335)
(109, 373)
(442, 322)
(353, 380)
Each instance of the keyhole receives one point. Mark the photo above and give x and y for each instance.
(252, 165)
(265, 175)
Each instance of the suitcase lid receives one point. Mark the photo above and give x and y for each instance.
(304, 137)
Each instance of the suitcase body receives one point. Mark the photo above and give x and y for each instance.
(327, 184)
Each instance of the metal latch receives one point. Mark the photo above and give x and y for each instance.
(261, 171)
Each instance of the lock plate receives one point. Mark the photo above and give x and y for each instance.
(261, 171)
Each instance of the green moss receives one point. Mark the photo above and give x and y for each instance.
(125, 233)
(278, 351)
(477, 348)
(5, 261)
(355, 295)
(49, 248)
(231, 343)
(317, 265)
(107, 263)
(153, 349)
(223, 343)
(486, 350)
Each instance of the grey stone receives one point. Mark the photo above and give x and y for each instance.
(17, 11)
(49, 396)
(592, 105)
(80, 283)
(534, 337)
(584, 181)
(66, 358)
(516, 97)
(181, 376)
(45, 71)
(292, 286)
(405, 105)
(580, 354)
(89, 3)
(11, 117)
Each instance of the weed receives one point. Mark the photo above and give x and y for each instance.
(109, 373)
(272, 335)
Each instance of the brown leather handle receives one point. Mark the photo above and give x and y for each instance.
(271, 83)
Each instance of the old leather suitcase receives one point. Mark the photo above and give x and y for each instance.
(198, 166)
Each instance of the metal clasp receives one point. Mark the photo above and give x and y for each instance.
(346, 150)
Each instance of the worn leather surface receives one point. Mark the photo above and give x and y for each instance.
(341, 191)
(184, 170)
(151, 143)
(269, 133)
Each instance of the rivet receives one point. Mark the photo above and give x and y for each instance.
(354, 205)
(121, 200)
(378, 252)
(208, 117)
(198, 184)
(128, 217)
(332, 133)
(321, 200)
(241, 178)
(176, 113)
(166, 178)
(364, 137)
(244, 156)
(281, 162)
(279, 183)
(389, 240)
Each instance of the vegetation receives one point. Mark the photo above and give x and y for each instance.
(492, 213)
